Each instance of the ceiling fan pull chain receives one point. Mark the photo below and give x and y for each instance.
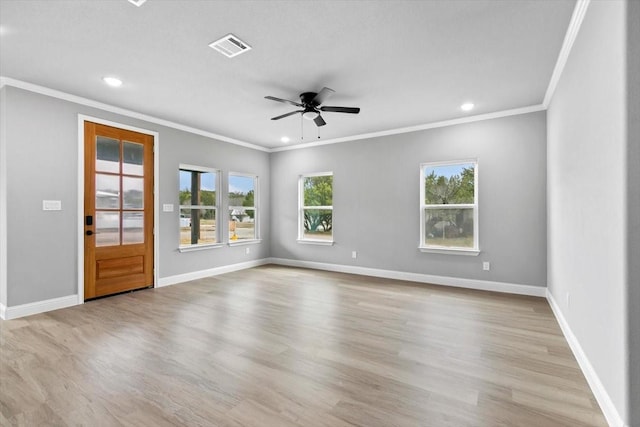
(301, 128)
(318, 132)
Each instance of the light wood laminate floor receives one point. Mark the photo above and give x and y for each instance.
(278, 346)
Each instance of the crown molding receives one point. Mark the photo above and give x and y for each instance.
(444, 123)
(569, 38)
(6, 81)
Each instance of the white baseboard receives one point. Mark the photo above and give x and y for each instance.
(23, 310)
(485, 285)
(180, 278)
(604, 400)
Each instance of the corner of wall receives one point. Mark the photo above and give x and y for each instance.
(3, 200)
(633, 207)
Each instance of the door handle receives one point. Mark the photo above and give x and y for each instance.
(89, 233)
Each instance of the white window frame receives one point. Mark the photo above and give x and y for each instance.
(423, 247)
(256, 213)
(199, 246)
(301, 209)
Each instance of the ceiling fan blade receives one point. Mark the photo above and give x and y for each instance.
(286, 115)
(350, 110)
(286, 101)
(322, 96)
(319, 121)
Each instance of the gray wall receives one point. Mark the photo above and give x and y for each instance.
(587, 149)
(376, 200)
(41, 144)
(3, 216)
(633, 195)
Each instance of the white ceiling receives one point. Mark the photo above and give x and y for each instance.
(404, 63)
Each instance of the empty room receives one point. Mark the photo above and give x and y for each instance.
(321, 213)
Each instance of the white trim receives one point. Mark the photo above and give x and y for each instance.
(484, 285)
(444, 123)
(569, 38)
(194, 275)
(199, 247)
(38, 307)
(106, 107)
(449, 251)
(156, 195)
(122, 111)
(3, 311)
(3, 210)
(604, 400)
(244, 242)
(316, 242)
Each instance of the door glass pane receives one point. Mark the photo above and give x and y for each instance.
(133, 189)
(107, 154)
(107, 228)
(132, 227)
(107, 191)
(133, 158)
(449, 227)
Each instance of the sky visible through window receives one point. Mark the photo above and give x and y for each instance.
(447, 170)
(237, 183)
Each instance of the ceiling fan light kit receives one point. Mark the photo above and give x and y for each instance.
(311, 106)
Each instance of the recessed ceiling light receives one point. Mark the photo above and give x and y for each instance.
(285, 139)
(112, 81)
(137, 2)
(467, 106)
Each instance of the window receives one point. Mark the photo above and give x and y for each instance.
(243, 211)
(315, 216)
(449, 207)
(198, 206)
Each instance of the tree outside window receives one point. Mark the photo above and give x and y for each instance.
(449, 208)
(316, 210)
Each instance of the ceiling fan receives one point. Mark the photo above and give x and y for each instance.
(311, 104)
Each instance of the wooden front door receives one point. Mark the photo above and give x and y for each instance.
(118, 210)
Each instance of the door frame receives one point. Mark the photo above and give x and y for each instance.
(80, 212)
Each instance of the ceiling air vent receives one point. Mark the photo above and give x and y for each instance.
(137, 2)
(230, 46)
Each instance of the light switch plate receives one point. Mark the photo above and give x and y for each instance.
(167, 207)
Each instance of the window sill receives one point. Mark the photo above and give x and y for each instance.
(199, 247)
(316, 242)
(245, 242)
(449, 251)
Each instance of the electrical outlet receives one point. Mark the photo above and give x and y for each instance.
(247, 251)
(486, 266)
(354, 254)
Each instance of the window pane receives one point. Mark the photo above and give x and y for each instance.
(132, 227)
(107, 154)
(197, 188)
(241, 190)
(133, 158)
(107, 228)
(318, 224)
(242, 224)
(197, 226)
(449, 227)
(133, 189)
(318, 191)
(449, 184)
(107, 191)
